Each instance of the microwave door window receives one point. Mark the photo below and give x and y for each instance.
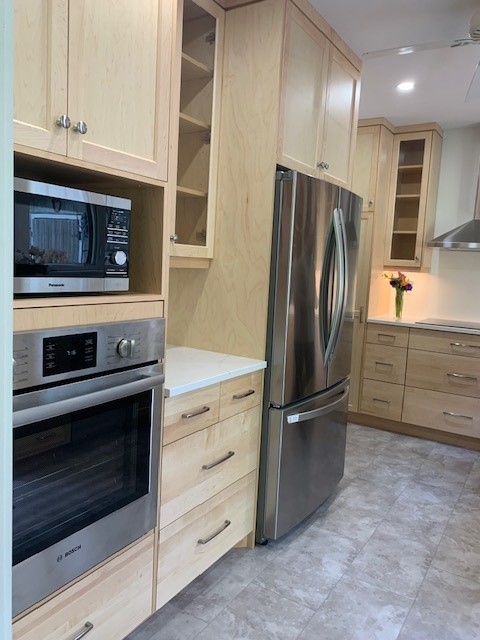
(53, 234)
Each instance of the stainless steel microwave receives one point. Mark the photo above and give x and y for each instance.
(69, 241)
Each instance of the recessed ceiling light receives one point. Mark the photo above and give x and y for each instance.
(405, 86)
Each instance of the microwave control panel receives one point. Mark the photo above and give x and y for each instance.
(117, 242)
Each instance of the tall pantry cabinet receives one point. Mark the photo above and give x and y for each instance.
(281, 59)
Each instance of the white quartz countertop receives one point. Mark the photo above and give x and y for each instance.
(191, 369)
(417, 324)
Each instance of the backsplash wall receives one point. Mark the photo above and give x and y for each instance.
(451, 288)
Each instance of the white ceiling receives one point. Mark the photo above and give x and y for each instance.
(441, 76)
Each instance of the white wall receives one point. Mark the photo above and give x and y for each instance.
(6, 261)
(451, 288)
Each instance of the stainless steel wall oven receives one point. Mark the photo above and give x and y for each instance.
(86, 418)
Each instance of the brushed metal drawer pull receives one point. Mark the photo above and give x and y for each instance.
(457, 415)
(386, 335)
(464, 345)
(86, 629)
(196, 413)
(381, 400)
(239, 396)
(216, 533)
(384, 364)
(462, 375)
(217, 462)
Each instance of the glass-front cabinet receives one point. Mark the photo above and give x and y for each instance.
(413, 188)
(197, 129)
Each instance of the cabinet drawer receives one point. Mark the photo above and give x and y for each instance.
(385, 363)
(388, 335)
(459, 375)
(444, 411)
(196, 468)
(195, 541)
(240, 394)
(190, 412)
(456, 344)
(382, 399)
(115, 598)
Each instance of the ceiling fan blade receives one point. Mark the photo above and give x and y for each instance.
(473, 92)
(402, 51)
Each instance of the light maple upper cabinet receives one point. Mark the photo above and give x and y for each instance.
(199, 112)
(92, 81)
(413, 196)
(319, 103)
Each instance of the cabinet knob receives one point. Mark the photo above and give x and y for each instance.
(80, 127)
(323, 165)
(63, 121)
(370, 203)
(174, 237)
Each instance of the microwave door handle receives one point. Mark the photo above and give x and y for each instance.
(51, 410)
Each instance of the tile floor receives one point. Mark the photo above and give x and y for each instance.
(394, 554)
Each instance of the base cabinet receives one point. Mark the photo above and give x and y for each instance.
(209, 478)
(108, 603)
(423, 377)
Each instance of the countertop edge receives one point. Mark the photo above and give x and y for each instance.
(416, 324)
(233, 367)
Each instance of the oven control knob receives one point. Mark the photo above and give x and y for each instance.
(119, 258)
(126, 348)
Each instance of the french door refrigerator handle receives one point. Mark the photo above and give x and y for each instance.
(315, 413)
(324, 310)
(342, 286)
(52, 409)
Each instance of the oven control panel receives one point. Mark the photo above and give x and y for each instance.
(58, 355)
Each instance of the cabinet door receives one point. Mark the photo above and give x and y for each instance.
(305, 69)
(200, 90)
(336, 154)
(119, 83)
(365, 165)
(40, 73)
(408, 199)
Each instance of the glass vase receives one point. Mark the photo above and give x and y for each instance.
(399, 304)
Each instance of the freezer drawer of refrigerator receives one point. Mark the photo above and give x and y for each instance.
(305, 459)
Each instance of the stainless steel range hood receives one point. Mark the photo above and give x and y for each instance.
(465, 237)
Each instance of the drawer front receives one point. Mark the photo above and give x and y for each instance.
(115, 598)
(382, 399)
(190, 412)
(385, 363)
(455, 344)
(196, 468)
(459, 375)
(444, 411)
(387, 334)
(240, 394)
(195, 541)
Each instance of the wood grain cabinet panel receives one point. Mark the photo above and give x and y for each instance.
(456, 344)
(386, 364)
(459, 375)
(199, 466)
(387, 335)
(240, 394)
(190, 412)
(89, 62)
(114, 598)
(382, 399)
(188, 546)
(444, 411)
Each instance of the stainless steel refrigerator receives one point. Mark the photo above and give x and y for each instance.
(310, 328)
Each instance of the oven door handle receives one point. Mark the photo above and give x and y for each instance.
(68, 405)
